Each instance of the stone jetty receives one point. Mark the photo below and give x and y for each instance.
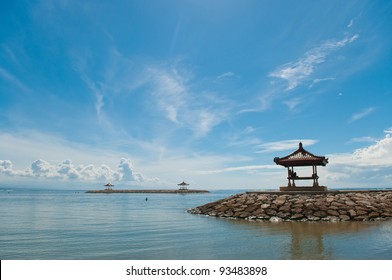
(330, 206)
(182, 191)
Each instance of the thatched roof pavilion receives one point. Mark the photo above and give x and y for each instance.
(301, 157)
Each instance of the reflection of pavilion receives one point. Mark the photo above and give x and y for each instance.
(301, 157)
(307, 240)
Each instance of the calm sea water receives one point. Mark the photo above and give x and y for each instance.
(59, 224)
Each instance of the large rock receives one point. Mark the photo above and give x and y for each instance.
(279, 201)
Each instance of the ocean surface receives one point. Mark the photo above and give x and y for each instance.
(71, 224)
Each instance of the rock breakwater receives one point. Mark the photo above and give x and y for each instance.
(148, 191)
(332, 206)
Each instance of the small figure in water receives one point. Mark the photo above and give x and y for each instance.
(146, 198)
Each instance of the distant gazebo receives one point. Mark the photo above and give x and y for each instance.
(183, 185)
(108, 186)
(301, 157)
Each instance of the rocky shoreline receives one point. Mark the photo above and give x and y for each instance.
(330, 206)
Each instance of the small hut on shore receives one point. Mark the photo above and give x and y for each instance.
(301, 157)
(108, 186)
(183, 185)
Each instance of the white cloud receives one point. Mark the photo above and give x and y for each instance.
(379, 154)
(66, 168)
(285, 145)
(67, 171)
(126, 172)
(93, 163)
(91, 172)
(294, 73)
(357, 116)
(42, 168)
(5, 167)
(368, 166)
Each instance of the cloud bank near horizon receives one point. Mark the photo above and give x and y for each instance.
(365, 166)
(358, 168)
(67, 171)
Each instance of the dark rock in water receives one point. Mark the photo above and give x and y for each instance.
(330, 206)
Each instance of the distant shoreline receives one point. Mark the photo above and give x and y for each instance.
(148, 191)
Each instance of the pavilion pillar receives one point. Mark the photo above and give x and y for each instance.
(293, 175)
(315, 176)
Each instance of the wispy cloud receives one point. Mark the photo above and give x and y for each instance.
(244, 138)
(13, 54)
(225, 75)
(12, 79)
(264, 101)
(354, 20)
(170, 91)
(389, 130)
(116, 76)
(316, 81)
(289, 76)
(360, 115)
(245, 168)
(99, 101)
(363, 139)
(175, 97)
(293, 103)
(284, 145)
(296, 72)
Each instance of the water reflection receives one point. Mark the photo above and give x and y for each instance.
(310, 240)
(65, 225)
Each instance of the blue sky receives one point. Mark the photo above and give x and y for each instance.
(151, 93)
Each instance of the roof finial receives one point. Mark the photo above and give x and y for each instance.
(300, 145)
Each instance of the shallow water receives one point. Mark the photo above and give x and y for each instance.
(64, 224)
